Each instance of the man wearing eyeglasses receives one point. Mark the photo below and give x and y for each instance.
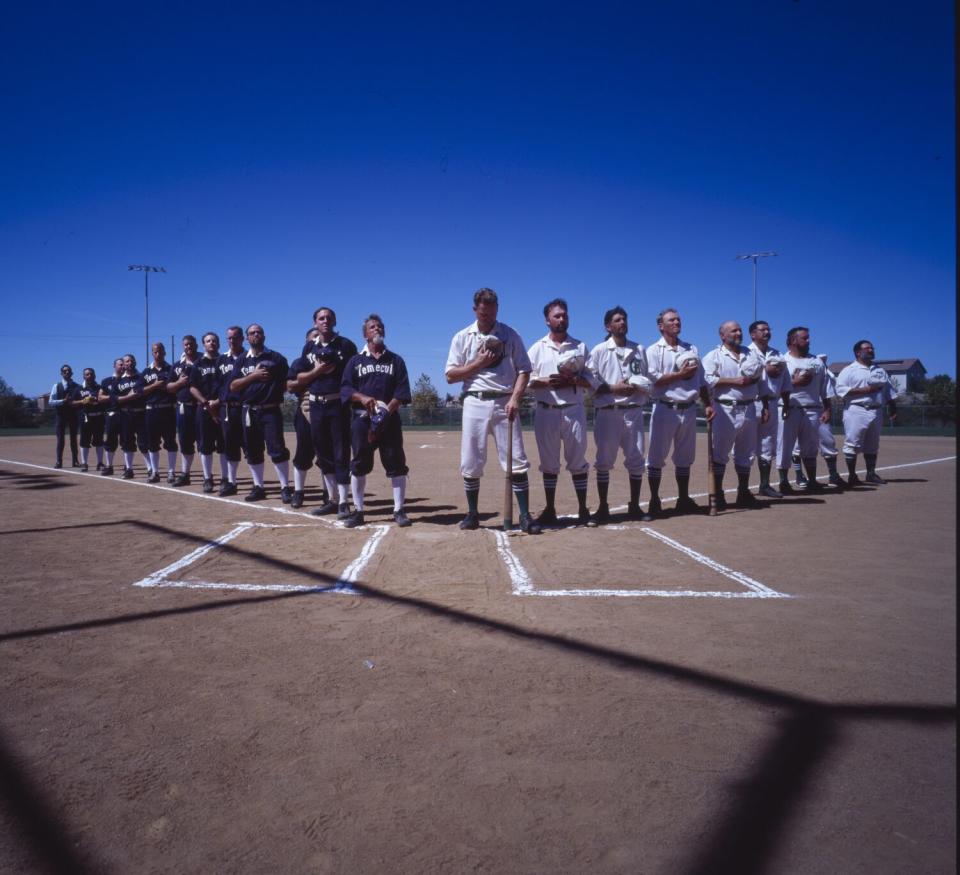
(60, 395)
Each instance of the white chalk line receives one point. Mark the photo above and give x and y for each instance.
(523, 585)
(251, 505)
(343, 584)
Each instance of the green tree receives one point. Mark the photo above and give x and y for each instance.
(941, 394)
(424, 398)
(14, 408)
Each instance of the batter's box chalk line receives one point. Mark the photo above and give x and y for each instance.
(343, 584)
(523, 585)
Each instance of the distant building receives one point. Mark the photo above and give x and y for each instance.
(906, 374)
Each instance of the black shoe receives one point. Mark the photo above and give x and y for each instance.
(324, 496)
(171, 477)
(529, 525)
(547, 518)
(297, 500)
(769, 492)
(99, 466)
(719, 502)
(837, 482)
(654, 509)
(256, 493)
(127, 474)
(584, 519)
(470, 522)
(84, 468)
(801, 480)
(815, 486)
(353, 520)
(286, 494)
(853, 481)
(401, 519)
(75, 463)
(182, 479)
(688, 505)
(227, 488)
(58, 464)
(602, 516)
(208, 485)
(325, 509)
(343, 511)
(107, 471)
(786, 489)
(748, 501)
(874, 477)
(153, 477)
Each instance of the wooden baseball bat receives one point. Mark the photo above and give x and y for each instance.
(508, 481)
(711, 473)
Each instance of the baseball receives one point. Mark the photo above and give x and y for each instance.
(491, 343)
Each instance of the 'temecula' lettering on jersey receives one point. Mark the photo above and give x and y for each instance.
(363, 370)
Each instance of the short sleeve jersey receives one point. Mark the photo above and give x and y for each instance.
(721, 364)
(205, 376)
(661, 359)
(383, 378)
(502, 376)
(616, 364)
(269, 391)
(544, 355)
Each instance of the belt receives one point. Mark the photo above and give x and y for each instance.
(678, 405)
(617, 406)
(183, 405)
(729, 402)
(234, 404)
(323, 399)
(810, 406)
(260, 406)
(767, 398)
(545, 405)
(488, 396)
(159, 407)
(868, 406)
(90, 413)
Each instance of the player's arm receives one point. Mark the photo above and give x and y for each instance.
(179, 383)
(707, 403)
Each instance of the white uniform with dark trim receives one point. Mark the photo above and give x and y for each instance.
(485, 399)
(674, 417)
(802, 424)
(560, 418)
(735, 407)
(863, 414)
(618, 422)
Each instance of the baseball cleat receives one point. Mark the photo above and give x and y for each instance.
(584, 519)
(107, 471)
(182, 479)
(547, 518)
(748, 500)
(297, 500)
(719, 502)
(75, 463)
(654, 508)
(529, 525)
(853, 480)
(470, 522)
(815, 486)
(171, 476)
(786, 489)
(602, 516)
(84, 468)
(769, 492)
(127, 474)
(874, 477)
(256, 493)
(401, 519)
(153, 477)
(325, 509)
(353, 520)
(836, 481)
(228, 488)
(688, 505)
(286, 494)
(58, 464)
(208, 485)
(99, 466)
(343, 511)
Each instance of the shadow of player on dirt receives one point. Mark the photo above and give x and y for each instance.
(34, 481)
(740, 839)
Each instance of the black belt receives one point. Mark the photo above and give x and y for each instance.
(324, 399)
(868, 406)
(90, 413)
(260, 406)
(488, 396)
(160, 407)
(617, 406)
(678, 405)
(544, 404)
(729, 402)
(809, 406)
(767, 398)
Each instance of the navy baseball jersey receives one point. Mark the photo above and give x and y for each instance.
(129, 385)
(338, 352)
(183, 395)
(226, 363)
(384, 378)
(270, 391)
(153, 375)
(88, 390)
(205, 376)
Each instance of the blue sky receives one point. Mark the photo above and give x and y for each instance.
(275, 158)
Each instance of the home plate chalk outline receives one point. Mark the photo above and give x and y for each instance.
(523, 585)
(350, 574)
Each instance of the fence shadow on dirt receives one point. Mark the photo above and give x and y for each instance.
(741, 839)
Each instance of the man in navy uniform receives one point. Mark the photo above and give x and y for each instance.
(127, 392)
(60, 395)
(298, 378)
(327, 356)
(260, 378)
(111, 433)
(160, 420)
(86, 401)
(205, 389)
(231, 412)
(375, 382)
(179, 386)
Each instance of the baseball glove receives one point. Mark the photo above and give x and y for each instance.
(688, 355)
(570, 362)
(378, 422)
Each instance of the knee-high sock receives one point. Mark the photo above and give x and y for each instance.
(256, 471)
(399, 492)
(357, 486)
(299, 479)
(283, 473)
(206, 463)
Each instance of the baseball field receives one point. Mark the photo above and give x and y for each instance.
(195, 684)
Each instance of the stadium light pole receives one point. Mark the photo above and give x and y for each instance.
(754, 256)
(147, 270)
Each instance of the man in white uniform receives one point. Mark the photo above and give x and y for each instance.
(621, 367)
(677, 376)
(560, 374)
(773, 387)
(490, 360)
(733, 371)
(864, 388)
(807, 409)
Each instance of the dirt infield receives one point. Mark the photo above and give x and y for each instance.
(194, 684)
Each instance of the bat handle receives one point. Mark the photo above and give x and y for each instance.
(508, 481)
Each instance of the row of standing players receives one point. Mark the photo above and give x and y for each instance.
(761, 404)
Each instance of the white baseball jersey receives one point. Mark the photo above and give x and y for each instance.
(503, 375)
(616, 364)
(859, 376)
(816, 391)
(771, 386)
(721, 363)
(543, 360)
(661, 359)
